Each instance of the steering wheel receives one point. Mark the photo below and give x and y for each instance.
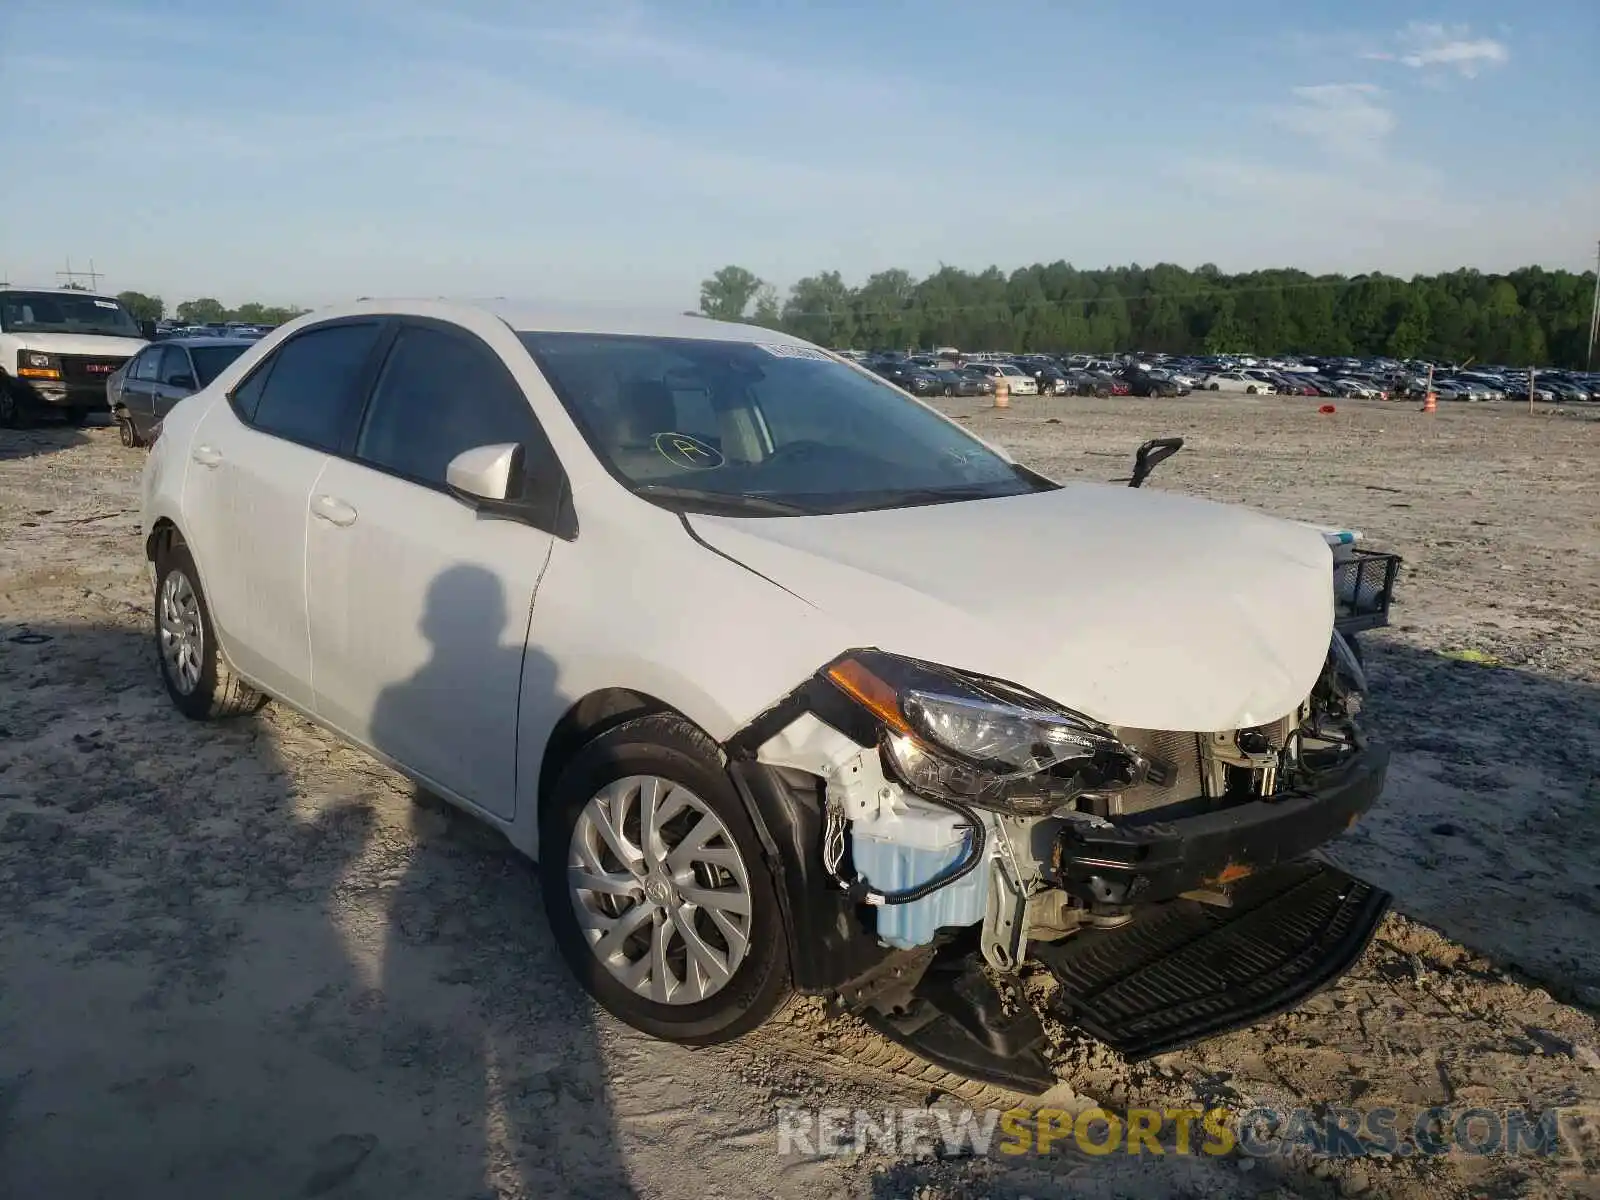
(797, 452)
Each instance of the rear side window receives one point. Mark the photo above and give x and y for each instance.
(439, 393)
(310, 387)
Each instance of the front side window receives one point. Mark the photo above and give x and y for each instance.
(65, 312)
(149, 365)
(311, 390)
(440, 393)
(761, 428)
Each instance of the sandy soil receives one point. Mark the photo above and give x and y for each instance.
(247, 961)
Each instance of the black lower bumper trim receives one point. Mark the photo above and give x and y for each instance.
(956, 1019)
(1150, 858)
(1183, 971)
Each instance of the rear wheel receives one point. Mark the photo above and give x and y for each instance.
(78, 417)
(656, 886)
(1216, 387)
(198, 679)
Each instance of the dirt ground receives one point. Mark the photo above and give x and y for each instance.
(246, 961)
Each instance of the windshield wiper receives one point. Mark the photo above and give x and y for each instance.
(731, 501)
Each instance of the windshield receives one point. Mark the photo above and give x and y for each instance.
(210, 360)
(65, 312)
(762, 428)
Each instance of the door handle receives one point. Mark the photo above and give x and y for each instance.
(332, 509)
(207, 456)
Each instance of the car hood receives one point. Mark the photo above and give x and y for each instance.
(1143, 609)
(79, 343)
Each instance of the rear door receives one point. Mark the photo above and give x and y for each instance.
(419, 606)
(255, 458)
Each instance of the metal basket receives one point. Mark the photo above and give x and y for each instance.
(1363, 589)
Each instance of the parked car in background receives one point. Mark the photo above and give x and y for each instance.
(960, 383)
(58, 346)
(1051, 380)
(1357, 389)
(1143, 383)
(1237, 381)
(1018, 381)
(143, 390)
(1088, 383)
(919, 381)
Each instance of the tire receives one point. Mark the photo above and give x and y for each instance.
(674, 753)
(205, 687)
(1216, 387)
(1250, 391)
(128, 433)
(11, 414)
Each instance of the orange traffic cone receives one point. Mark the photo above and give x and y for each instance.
(1430, 402)
(1002, 394)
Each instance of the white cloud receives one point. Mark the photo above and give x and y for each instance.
(1347, 120)
(1430, 44)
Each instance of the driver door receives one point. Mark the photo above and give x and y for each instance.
(420, 606)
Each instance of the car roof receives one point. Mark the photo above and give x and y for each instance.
(530, 317)
(206, 341)
(57, 291)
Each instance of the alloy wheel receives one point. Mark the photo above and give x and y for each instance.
(661, 893)
(181, 631)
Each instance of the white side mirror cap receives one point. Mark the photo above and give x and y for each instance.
(491, 473)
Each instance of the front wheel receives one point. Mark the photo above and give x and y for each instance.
(11, 416)
(656, 887)
(1216, 387)
(199, 680)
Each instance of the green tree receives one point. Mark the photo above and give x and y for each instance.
(727, 294)
(201, 311)
(142, 307)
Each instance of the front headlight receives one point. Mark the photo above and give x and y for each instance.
(35, 364)
(951, 735)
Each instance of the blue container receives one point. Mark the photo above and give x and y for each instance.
(894, 867)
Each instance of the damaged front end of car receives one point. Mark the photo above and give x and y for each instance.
(934, 831)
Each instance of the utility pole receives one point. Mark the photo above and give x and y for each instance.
(1594, 314)
(69, 277)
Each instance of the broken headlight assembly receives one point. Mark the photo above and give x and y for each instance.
(951, 736)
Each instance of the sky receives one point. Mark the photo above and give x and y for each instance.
(619, 151)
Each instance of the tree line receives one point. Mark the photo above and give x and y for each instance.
(206, 310)
(1528, 317)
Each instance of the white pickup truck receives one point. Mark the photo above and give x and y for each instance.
(58, 346)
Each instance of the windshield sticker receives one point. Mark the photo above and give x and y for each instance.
(780, 350)
(684, 450)
(105, 303)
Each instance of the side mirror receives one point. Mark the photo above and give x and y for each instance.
(488, 477)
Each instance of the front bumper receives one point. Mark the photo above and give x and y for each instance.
(55, 393)
(1146, 858)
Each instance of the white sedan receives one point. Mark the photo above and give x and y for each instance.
(1237, 381)
(782, 676)
(1017, 380)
